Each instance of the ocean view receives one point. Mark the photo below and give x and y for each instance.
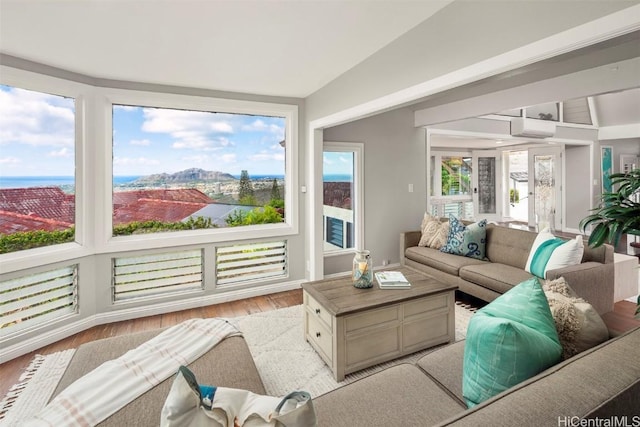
(47, 181)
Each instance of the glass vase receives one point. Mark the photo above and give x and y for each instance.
(362, 272)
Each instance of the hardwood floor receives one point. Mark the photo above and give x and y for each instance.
(619, 320)
(11, 370)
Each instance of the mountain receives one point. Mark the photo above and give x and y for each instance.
(187, 175)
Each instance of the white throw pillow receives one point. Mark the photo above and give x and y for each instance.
(549, 253)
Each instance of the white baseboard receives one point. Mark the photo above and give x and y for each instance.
(50, 337)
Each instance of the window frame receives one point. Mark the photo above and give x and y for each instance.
(107, 98)
(436, 182)
(357, 199)
(30, 258)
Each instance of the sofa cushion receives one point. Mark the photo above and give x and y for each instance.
(466, 240)
(447, 263)
(550, 253)
(601, 382)
(433, 232)
(444, 365)
(398, 396)
(509, 246)
(497, 277)
(228, 364)
(511, 339)
(579, 325)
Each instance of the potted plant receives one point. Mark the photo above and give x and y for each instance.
(618, 213)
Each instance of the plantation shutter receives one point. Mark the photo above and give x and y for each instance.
(158, 274)
(243, 263)
(38, 298)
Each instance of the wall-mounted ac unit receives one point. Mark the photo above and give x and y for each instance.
(532, 128)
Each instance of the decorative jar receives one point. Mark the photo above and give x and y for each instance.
(362, 273)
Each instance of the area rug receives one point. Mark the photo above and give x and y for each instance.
(275, 338)
(287, 362)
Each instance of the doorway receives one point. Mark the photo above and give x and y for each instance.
(534, 182)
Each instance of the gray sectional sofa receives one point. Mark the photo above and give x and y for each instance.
(602, 382)
(507, 250)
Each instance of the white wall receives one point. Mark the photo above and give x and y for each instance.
(394, 157)
(578, 184)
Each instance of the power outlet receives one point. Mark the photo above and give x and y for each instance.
(385, 262)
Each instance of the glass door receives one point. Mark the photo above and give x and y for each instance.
(487, 185)
(545, 188)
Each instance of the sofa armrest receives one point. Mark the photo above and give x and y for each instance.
(408, 239)
(592, 281)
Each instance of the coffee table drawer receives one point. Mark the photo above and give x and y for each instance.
(318, 311)
(372, 318)
(318, 334)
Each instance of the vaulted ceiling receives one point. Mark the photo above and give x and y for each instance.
(283, 48)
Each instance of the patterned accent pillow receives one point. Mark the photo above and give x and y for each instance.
(579, 325)
(466, 240)
(434, 232)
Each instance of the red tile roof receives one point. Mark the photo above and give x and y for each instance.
(11, 222)
(123, 198)
(154, 209)
(49, 208)
(337, 194)
(43, 202)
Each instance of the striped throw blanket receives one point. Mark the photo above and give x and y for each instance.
(115, 383)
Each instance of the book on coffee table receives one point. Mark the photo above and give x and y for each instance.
(392, 280)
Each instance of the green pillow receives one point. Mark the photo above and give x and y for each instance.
(508, 341)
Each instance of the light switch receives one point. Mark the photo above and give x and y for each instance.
(410, 188)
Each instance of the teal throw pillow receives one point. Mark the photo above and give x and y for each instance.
(466, 240)
(508, 341)
(550, 253)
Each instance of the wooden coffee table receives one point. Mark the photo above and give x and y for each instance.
(352, 329)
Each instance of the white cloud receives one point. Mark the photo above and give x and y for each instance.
(143, 142)
(260, 125)
(129, 161)
(10, 161)
(264, 156)
(198, 159)
(163, 120)
(34, 118)
(124, 107)
(228, 158)
(63, 152)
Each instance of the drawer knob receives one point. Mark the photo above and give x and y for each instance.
(317, 311)
(317, 334)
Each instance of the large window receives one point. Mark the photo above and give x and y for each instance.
(177, 169)
(37, 169)
(342, 196)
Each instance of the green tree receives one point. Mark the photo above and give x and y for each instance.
(275, 190)
(245, 193)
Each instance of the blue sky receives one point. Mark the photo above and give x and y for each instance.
(37, 139)
(337, 163)
(36, 133)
